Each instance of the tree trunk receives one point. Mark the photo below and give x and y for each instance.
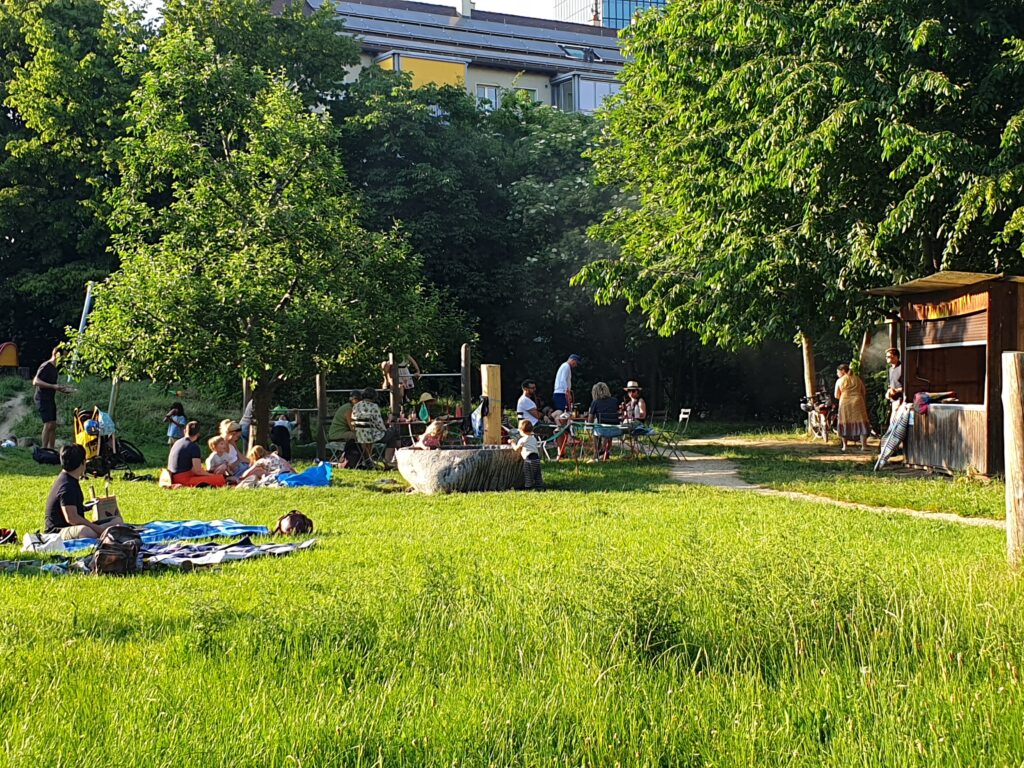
(865, 344)
(262, 399)
(810, 385)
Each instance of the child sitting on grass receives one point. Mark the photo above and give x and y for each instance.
(529, 449)
(219, 460)
(432, 436)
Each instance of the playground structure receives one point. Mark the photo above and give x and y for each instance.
(464, 376)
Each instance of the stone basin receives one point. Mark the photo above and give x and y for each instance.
(461, 469)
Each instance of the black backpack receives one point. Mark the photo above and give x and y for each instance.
(46, 455)
(129, 453)
(117, 553)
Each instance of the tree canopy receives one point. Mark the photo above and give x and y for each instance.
(782, 156)
(241, 255)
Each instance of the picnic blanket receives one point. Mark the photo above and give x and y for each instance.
(162, 531)
(181, 556)
(177, 556)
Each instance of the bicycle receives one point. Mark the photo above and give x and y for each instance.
(822, 417)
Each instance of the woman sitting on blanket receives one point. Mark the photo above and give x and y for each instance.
(263, 468)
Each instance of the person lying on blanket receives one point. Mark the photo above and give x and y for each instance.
(263, 466)
(185, 462)
(65, 506)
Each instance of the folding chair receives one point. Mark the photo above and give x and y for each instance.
(373, 453)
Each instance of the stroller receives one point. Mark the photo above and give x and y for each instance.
(96, 432)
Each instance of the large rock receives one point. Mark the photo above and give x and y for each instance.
(455, 470)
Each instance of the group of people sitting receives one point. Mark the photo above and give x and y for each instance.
(628, 416)
(225, 465)
(359, 422)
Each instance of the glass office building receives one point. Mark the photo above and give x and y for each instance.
(614, 14)
(618, 14)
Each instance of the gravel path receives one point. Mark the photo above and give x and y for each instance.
(716, 472)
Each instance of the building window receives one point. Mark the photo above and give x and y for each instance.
(531, 92)
(581, 54)
(591, 94)
(489, 96)
(564, 95)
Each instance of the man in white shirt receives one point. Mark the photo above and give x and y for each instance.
(526, 406)
(895, 390)
(561, 400)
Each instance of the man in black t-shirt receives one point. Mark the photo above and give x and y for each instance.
(65, 506)
(185, 461)
(47, 387)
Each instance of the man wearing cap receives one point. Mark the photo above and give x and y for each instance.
(562, 397)
(341, 429)
(526, 406)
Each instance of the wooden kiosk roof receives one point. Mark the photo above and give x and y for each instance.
(947, 280)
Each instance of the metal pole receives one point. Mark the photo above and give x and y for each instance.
(86, 308)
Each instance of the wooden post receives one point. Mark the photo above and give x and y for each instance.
(396, 392)
(490, 383)
(1013, 453)
(467, 382)
(115, 389)
(321, 417)
(809, 374)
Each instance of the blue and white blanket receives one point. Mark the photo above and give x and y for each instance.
(162, 531)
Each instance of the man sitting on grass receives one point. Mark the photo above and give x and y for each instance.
(65, 506)
(185, 462)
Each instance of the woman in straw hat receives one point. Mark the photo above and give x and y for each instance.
(634, 409)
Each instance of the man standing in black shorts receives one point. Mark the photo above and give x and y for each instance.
(47, 388)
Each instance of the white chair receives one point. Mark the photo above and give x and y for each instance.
(684, 419)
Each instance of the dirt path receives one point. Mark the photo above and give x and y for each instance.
(13, 411)
(716, 472)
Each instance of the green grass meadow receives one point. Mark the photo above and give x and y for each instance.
(615, 620)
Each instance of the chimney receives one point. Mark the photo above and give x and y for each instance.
(467, 7)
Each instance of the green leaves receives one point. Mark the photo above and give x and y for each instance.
(785, 156)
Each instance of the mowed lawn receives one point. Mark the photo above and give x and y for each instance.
(615, 620)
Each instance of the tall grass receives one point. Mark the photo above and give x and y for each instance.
(615, 620)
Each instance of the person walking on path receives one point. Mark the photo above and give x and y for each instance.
(562, 397)
(47, 388)
(853, 409)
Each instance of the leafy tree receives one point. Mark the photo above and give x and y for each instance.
(240, 250)
(65, 76)
(785, 155)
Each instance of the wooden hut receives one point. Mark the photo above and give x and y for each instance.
(954, 327)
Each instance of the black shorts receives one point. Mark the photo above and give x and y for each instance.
(47, 410)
